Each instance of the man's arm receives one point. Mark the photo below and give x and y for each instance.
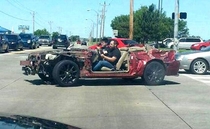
(110, 59)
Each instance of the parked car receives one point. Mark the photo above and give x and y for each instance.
(15, 41)
(185, 42)
(199, 46)
(84, 43)
(45, 40)
(4, 43)
(197, 62)
(66, 67)
(29, 40)
(122, 42)
(61, 41)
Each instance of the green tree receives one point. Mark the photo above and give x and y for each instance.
(41, 32)
(149, 25)
(55, 34)
(121, 24)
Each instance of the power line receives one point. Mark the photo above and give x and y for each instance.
(14, 16)
(13, 5)
(22, 5)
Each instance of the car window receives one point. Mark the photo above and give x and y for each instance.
(61, 37)
(14, 37)
(182, 40)
(127, 42)
(193, 40)
(25, 36)
(44, 37)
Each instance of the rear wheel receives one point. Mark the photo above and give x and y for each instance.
(199, 66)
(54, 47)
(66, 73)
(154, 73)
(202, 47)
(7, 49)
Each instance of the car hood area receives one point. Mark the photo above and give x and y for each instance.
(23, 122)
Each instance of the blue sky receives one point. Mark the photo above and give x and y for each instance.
(71, 15)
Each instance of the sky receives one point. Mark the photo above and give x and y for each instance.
(72, 18)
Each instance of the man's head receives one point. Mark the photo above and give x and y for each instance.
(104, 42)
(113, 44)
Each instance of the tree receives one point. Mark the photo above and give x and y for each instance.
(55, 34)
(121, 24)
(41, 32)
(149, 25)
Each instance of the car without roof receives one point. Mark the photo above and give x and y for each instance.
(67, 66)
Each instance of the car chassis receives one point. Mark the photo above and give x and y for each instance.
(65, 67)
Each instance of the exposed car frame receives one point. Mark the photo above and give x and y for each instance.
(66, 67)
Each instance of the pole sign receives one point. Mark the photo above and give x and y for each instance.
(115, 32)
(23, 27)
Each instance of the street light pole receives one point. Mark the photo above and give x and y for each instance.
(96, 23)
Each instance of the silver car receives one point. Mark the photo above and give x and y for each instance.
(197, 62)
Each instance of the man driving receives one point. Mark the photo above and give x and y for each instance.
(110, 59)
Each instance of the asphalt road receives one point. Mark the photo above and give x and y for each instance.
(182, 103)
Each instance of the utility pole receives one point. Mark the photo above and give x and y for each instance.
(131, 20)
(103, 18)
(176, 24)
(50, 23)
(33, 17)
(101, 24)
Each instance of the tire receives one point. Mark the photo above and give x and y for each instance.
(66, 73)
(202, 47)
(54, 47)
(199, 66)
(187, 70)
(154, 73)
(7, 49)
(172, 47)
(45, 77)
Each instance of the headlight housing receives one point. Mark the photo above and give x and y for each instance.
(179, 57)
(29, 41)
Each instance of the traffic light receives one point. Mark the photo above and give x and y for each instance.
(182, 15)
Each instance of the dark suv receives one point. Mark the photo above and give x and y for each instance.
(45, 40)
(61, 41)
(29, 40)
(15, 41)
(4, 43)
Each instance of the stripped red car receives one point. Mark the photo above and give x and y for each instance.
(122, 42)
(68, 66)
(199, 46)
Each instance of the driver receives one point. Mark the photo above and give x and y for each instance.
(109, 60)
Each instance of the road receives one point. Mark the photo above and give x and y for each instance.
(182, 103)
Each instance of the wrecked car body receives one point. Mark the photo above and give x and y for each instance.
(66, 67)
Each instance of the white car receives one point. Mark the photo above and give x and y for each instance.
(185, 42)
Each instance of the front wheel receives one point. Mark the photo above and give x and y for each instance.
(45, 78)
(199, 66)
(154, 73)
(66, 73)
